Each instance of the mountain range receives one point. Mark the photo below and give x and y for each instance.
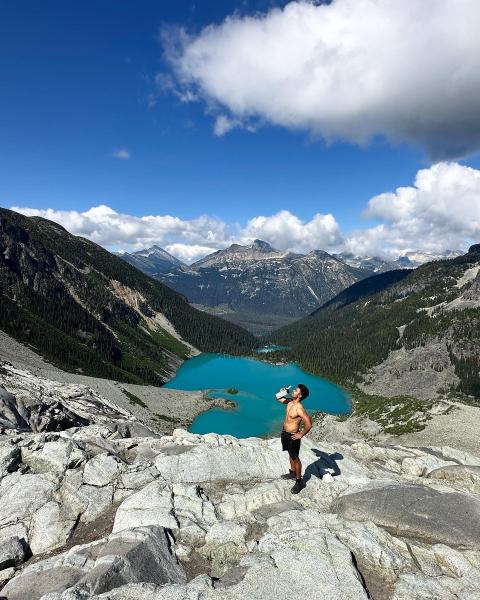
(408, 260)
(87, 310)
(261, 288)
(404, 332)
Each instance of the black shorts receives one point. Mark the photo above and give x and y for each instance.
(292, 446)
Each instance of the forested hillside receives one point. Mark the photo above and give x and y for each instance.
(425, 322)
(87, 310)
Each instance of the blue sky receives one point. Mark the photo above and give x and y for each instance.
(78, 86)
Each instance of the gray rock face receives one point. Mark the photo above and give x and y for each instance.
(136, 518)
(55, 456)
(34, 404)
(142, 554)
(50, 527)
(20, 497)
(10, 415)
(418, 512)
(10, 457)
(12, 553)
(101, 470)
(220, 460)
(468, 475)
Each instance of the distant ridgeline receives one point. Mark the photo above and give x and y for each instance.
(257, 286)
(438, 303)
(87, 310)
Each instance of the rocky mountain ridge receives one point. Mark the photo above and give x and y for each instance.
(408, 260)
(261, 288)
(104, 511)
(256, 285)
(90, 312)
(399, 340)
(151, 260)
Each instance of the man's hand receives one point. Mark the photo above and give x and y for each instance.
(297, 436)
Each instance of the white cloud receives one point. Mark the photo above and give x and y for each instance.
(440, 211)
(350, 69)
(285, 231)
(189, 252)
(121, 153)
(111, 229)
(223, 125)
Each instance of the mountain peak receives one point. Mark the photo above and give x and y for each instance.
(263, 246)
(236, 252)
(475, 249)
(156, 252)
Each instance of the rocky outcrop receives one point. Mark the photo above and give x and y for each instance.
(105, 509)
(208, 517)
(139, 555)
(29, 403)
(407, 510)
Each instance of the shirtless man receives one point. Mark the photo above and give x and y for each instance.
(291, 434)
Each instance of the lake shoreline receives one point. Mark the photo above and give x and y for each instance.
(256, 412)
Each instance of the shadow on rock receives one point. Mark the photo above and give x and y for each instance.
(326, 463)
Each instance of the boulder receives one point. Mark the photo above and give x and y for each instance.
(224, 546)
(379, 556)
(138, 555)
(298, 558)
(12, 552)
(20, 497)
(55, 456)
(50, 528)
(242, 460)
(466, 476)
(418, 512)
(138, 478)
(95, 499)
(101, 470)
(12, 416)
(6, 575)
(10, 457)
(150, 506)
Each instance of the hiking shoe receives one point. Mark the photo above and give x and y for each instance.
(289, 475)
(298, 487)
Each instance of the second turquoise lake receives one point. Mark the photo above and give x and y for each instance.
(258, 412)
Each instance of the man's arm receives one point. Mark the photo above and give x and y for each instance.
(284, 400)
(307, 424)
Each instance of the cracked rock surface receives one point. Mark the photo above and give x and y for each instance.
(87, 513)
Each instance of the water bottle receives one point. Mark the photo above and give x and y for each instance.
(283, 392)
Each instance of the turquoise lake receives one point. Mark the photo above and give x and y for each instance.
(258, 412)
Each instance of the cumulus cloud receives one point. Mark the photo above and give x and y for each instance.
(121, 153)
(189, 253)
(285, 231)
(350, 69)
(439, 211)
(111, 229)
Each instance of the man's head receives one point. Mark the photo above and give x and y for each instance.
(300, 392)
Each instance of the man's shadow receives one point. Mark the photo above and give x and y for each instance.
(326, 463)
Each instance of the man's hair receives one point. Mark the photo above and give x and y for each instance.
(303, 390)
